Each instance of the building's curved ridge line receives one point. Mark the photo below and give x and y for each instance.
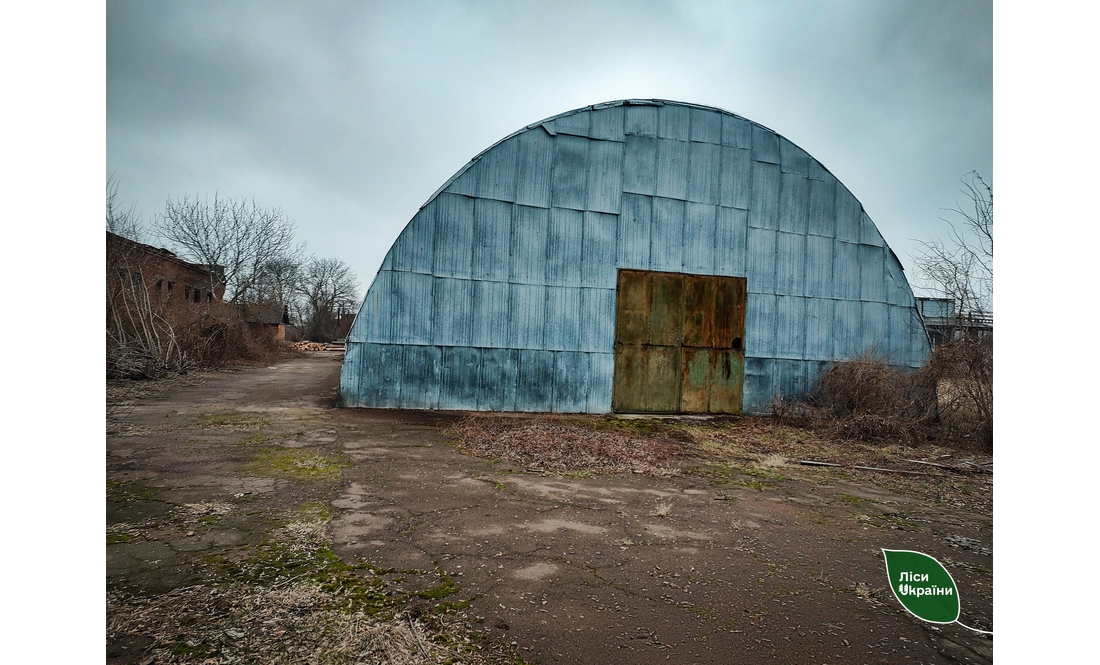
(601, 106)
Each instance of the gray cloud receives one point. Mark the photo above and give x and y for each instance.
(349, 115)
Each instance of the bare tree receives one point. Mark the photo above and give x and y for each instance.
(239, 237)
(278, 282)
(961, 269)
(126, 223)
(328, 288)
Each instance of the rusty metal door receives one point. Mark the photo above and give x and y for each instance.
(678, 343)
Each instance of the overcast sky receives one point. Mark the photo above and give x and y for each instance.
(348, 116)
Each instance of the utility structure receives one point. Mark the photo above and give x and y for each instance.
(632, 256)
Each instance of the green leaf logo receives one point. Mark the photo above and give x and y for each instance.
(922, 585)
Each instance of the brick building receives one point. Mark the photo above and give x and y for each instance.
(170, 282)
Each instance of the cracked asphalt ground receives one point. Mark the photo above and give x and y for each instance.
(555, 568)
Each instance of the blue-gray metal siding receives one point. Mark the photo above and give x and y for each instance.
(499, 295)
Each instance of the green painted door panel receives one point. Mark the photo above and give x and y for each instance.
(678, 343)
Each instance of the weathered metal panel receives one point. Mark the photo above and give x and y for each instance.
(454, 232)
(846, 270)
(695, 379)
(632, 307)
(641, 120)
(666, 309)
(897, 287)
(761, 260)
(498, 172)
(647, 379)
(899, 335)
(598, 315)
(735, 178)
(564, 242)
(819, 266)
(530, 231)
(633, 232)
(821, 219)
(452, 312)
(570, 173)
(369, 377)
(736, 132)
(598, 251)
(875, 326)
(640, 165)
(674, 122)
(819, 172)
(466, 183)
(790, 264)
(666, 251)
(819, 328)
(760, 324)
(413, 251)
(759, 384)
(492, 237)
(497, 380)
(601, 372)
(535, 381)
(607, 124)
(490, 310)
(704, 171)
(388, 388)
(727, 377)
(376, 314)
(793, 159)
(729, 314)
(673, 159)
(706, 126)
(459, 385)
(794, 198)
(563, 318)
(790, 378)
(765, 145)
(422, 368)
(605, 176)
(525, 327)
(350, 371)
(869, 234)
(848, 212)
(412, 298)
(570, 382)
(534, 163)
(764, 207)
(699, 237)
(848, 326)
(872, 280)
(699, 311)
(577, 124)
(731, 228)
(790, 319)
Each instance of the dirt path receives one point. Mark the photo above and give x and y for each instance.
(552, 569)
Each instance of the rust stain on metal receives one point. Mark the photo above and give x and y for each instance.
(679, 343)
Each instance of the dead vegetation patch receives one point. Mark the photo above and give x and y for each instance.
(560, 445)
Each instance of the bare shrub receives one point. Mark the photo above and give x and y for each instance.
(868, 399)
(147, 341)
(950, 397)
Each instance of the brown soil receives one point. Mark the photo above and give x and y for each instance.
(248, 520)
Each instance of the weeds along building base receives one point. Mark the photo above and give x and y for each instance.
(638, 256)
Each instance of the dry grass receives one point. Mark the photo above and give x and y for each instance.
(252, 624)
(760, 445)
(553, 445)
(294, 601)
